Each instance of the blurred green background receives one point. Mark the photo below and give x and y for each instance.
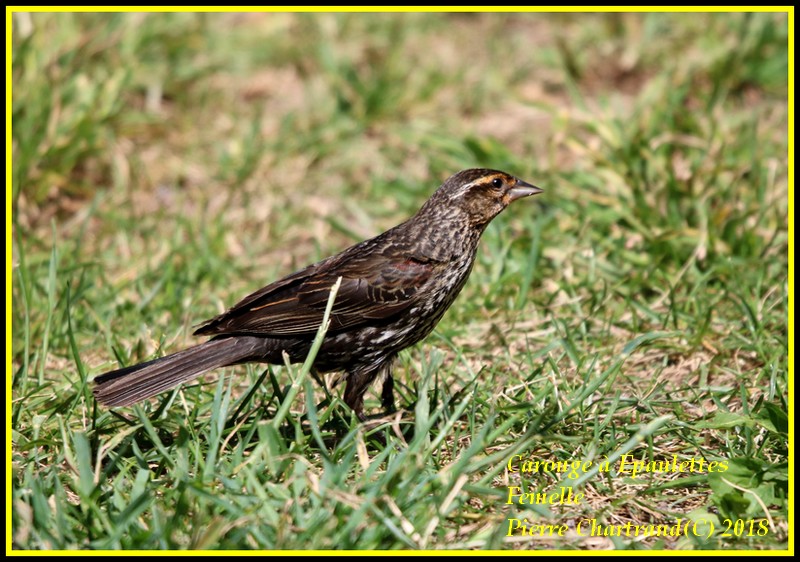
(167, 164)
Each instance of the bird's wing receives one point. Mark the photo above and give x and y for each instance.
(374, 288)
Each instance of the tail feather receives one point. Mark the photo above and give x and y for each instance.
(129, 385)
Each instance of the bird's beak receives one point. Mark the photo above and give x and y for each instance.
(522, 189)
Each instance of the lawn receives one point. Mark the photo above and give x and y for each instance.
(617, 330)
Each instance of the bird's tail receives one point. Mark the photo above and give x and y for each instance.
(128, 385)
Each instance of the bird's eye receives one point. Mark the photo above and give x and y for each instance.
(497, 182)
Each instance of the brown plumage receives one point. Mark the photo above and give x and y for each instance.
(395, 288)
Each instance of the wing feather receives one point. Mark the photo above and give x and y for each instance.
(374, 288)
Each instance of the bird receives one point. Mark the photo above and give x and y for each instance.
(394, 289)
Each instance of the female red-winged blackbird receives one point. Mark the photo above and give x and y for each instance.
(395, 288)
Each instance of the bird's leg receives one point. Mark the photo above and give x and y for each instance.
(320, 380)
(357, 384)
(387, 395)
(315, 375)
(358, 381)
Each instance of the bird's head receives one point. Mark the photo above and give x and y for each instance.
(480, 194)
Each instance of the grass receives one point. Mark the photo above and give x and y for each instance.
(165, 165)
